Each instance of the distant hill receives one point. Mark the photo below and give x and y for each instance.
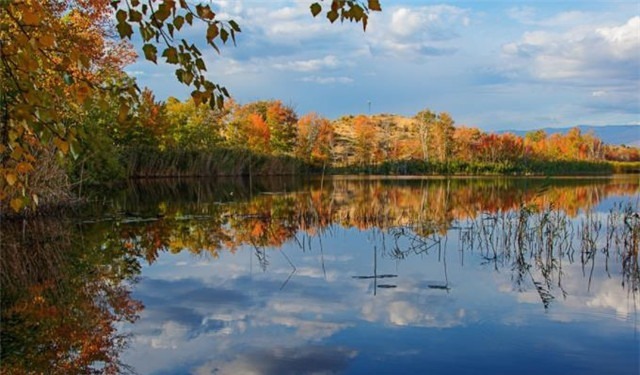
(611, 134)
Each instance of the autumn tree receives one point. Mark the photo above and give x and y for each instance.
(314, 142)
(56, 61)
(535, 143)
(192, 126)
(435, 132)
(425, 122)
(282, 121)
(466, 142)
(365, 139)
(442, 137)
(53, 55)
(258, 134)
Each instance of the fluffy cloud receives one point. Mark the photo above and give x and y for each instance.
(417, 31)
(309, 65)
(589, 54)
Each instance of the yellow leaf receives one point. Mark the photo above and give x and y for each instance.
(61, 145)
(11, 178)
(46, 41)
(24, 167)
(16, 204)
(35, 199)
(123, 112)
(30, 18)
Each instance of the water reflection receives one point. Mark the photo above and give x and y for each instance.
(350, 266)
(522, 224)
(352, 275)
(64, 296)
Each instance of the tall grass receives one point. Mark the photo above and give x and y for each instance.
(142, 163)
(455, 167)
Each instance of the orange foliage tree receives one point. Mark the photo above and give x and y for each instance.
(365, 137)
(314, 142)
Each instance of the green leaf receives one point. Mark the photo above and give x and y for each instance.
(215, 46)
(315, 9)
(224, 35)
(124, 30)
(189, 18)
(187, 78)
(179, 73)
(357, 13)
(134, 15)
(332, 16)
(171, 54)
(150, 52)
(374, 5)
(212, 32)
(200, 64)
(197, 97)
(220, 101)
(121, 16)
(162, 13)
(234, 25)
(67, 78)
(178, 22)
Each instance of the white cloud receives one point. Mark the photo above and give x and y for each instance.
(587, 54)
(309, 329)
(417, 31)
(405, 22)
(327, 80)
(329, 61)
(171, 335)
(624, 41)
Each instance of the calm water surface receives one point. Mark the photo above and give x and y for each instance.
(345, 275)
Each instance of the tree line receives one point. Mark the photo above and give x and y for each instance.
(71, 116)
(428, 142)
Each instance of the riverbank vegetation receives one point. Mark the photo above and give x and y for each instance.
(268, 137)
(72, 117)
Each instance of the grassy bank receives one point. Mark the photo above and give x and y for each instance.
(523, 168)
(145, 163)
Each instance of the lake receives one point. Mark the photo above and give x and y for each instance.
(342, 275)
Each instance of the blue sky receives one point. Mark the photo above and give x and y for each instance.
(491, 64)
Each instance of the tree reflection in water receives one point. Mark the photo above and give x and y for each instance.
(63, 297)
(65, 285)
(531, 226)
